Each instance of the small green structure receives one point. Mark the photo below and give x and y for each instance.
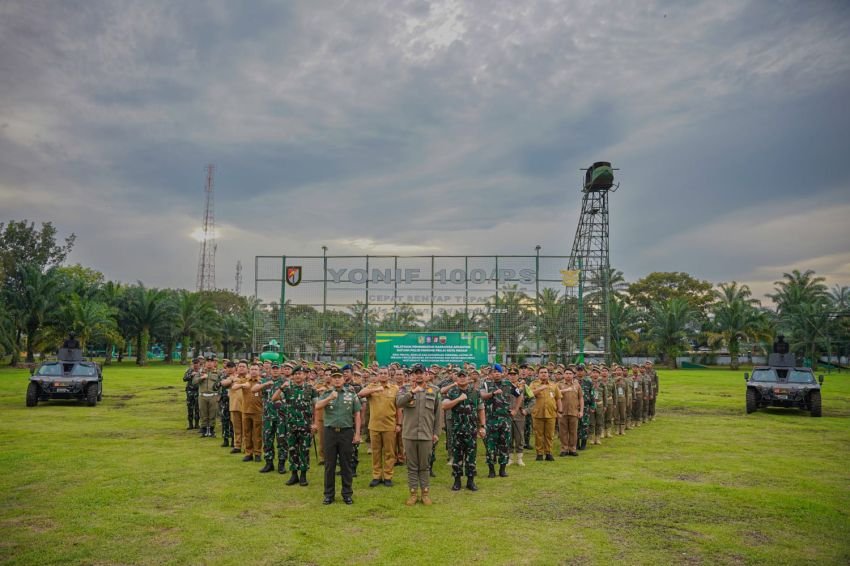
(271, 353)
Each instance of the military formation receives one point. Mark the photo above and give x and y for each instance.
(279, 414)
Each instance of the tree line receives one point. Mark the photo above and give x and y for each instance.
(663, 314)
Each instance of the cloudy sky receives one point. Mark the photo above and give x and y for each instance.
(430, 127)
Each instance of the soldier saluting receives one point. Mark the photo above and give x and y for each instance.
(467, 416)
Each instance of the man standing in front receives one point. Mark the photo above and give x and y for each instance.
(467, 417)
(193, 412)
(272, 429)
(342, 430)
(224, 404)
(206, 383)
(498, 402)
(234, 385)
(572, 400)
(381, 396)
(298, 399)
(419, 404)
(547, 407)
(252, 415)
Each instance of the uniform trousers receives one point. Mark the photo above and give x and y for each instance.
(544, 432)
(252, 434)
(383, 453)
(236, 421)
(518, 433)
(338, 447)
(568, 432)
(418, 453)
(208, 405)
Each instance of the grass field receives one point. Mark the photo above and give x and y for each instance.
(123, 482)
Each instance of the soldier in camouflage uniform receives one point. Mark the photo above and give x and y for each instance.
(445, 384)
(622, 394)
(298, 399)
(653, 388)
(467, 418)
(637, 396)
(193, 410)
(589, 407)
(527, 376)
(497, 393)
(224, 404)
(597, 424)
(273, 428)
(610, 407)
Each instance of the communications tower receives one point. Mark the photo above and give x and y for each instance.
(206, 257)
(590, 258)
(239, 277)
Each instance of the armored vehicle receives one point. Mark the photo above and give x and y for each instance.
(69, 377)
(781, 383)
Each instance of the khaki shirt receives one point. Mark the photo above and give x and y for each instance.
(236, 396)
(546, 406)
(420, 412)
(252, 401)
(382, 408)
(205, 382)
(572, 396)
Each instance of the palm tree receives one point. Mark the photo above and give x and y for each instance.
(147, 311)
(670, 324)
(91, 320)
(802, 304)
(112, 293)
(235, 332)
(798, 288)
(194, 316)
(511, 318)
(624, 323)
(840, 296)
(736, 317)
(37, 300)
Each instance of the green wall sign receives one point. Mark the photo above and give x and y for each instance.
(441, 348)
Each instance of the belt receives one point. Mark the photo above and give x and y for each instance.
(209, 394)
(339, 428)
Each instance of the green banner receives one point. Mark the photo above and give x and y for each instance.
(441, 348)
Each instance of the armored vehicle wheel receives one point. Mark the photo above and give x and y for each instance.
(91, 395)
(32, 395)
(752, 402)
(815, 403)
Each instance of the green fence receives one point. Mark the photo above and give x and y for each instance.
(334, 305)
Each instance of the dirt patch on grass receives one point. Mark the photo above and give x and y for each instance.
(755, 538)
(120, 400)
(689, 477)
(38, 525)
(163, 388)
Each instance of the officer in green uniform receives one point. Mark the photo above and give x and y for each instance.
(621, 392)
(193, 412)
(598, 388)
(467, 417)
(350, 384)
(589, 406)
(498, 399)
(342, 430)
(527, 376)
(637, 396)
(446, 383)
(654, 381)
(224, 404)
(297, 399)
(272, 427)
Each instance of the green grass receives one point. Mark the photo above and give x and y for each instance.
(123, 482)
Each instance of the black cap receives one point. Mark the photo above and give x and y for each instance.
(417, 369)
(346, 367)
(211, 358)
(297, 369)
(461, 373)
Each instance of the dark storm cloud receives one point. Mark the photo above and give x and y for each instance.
(429, 127)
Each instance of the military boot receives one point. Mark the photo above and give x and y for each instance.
(502, 472)
(519, 461)
(269, 467)
(596, 440)
(492, 473)
(426, 496)
(431, 473)
(456, 485)
(190, 427)
(281, 466)
(470, 483)
(197, 423)
(510, 458)
(414, 497)
(225, 442)
(582, 444)
(293, 479)
(211, 432)
(303, 479)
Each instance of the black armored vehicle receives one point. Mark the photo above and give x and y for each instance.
(69, 377)
(781, 383)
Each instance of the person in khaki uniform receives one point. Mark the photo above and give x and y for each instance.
(420, 407)
(622, 393)
(401, 378)
(610, 407)
(572, 401)
(637, 395)
(235, 394)
(547, 407)
(252, 415)
(205, 380)
(381, 396)
(598, 421)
